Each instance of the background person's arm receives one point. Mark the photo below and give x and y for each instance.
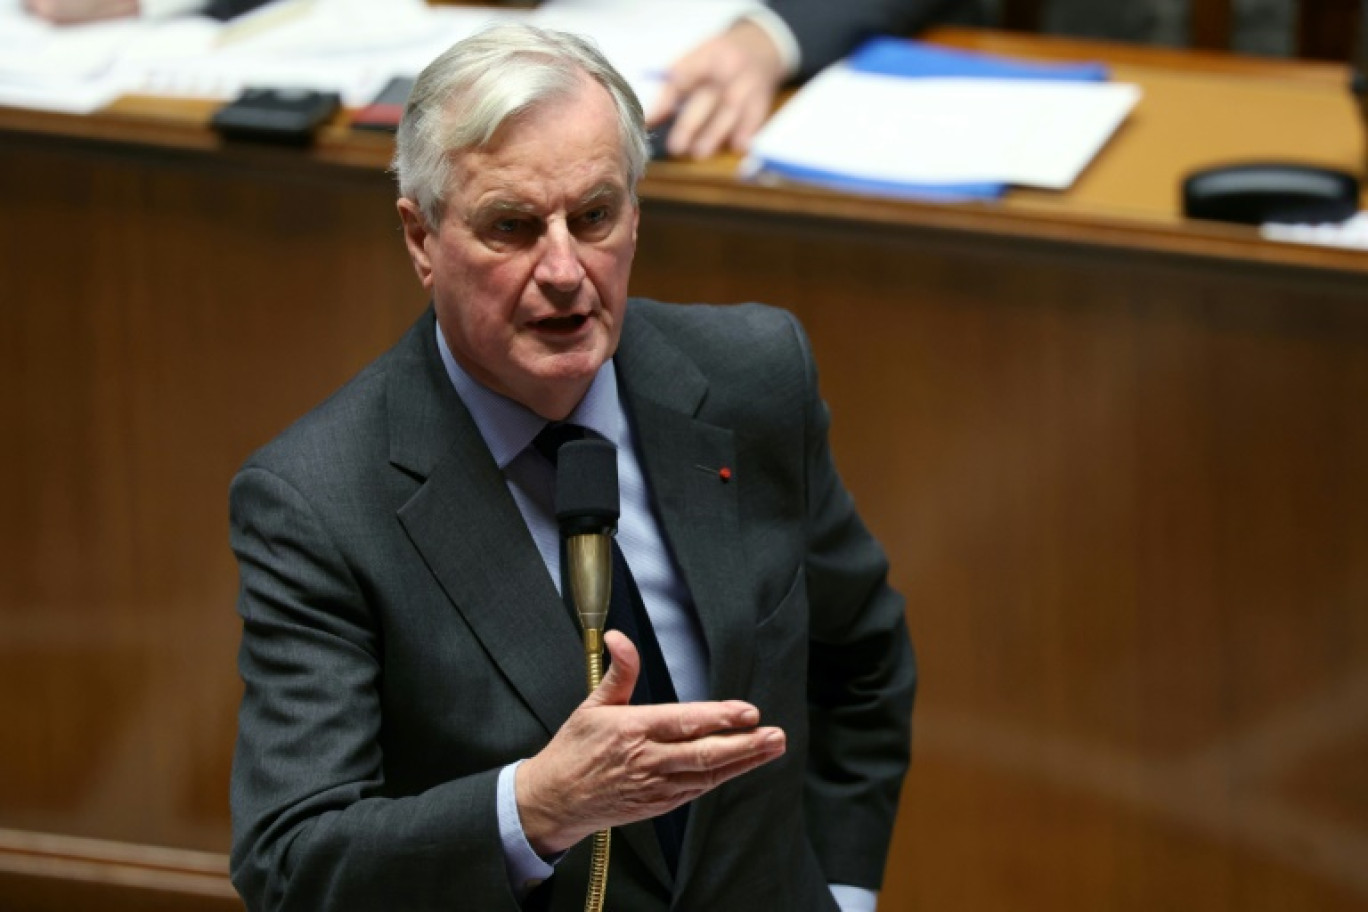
(73, 11)
(67, 11)
(720, 93)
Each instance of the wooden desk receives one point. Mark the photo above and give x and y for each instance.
(1118, 460)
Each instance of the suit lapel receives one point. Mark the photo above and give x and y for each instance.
(468, 529)
(465, 524)
(682, 456)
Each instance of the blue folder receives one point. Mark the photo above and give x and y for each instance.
(913, 59)
(905, 57)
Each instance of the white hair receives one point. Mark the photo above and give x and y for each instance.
(461, 99)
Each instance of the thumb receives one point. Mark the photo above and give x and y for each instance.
(620, 680)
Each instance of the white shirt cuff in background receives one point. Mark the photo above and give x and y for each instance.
(161, 9)
(854, 899)
(780, 34)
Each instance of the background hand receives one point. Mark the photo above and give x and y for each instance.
(722, 92)
(612, 763)
(80, 10)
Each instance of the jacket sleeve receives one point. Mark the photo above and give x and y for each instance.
(827, 30)
(312, 827)
(861, 672)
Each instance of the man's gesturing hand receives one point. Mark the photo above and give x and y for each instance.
(612, 763)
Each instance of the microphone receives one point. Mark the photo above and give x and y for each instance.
(587, 511)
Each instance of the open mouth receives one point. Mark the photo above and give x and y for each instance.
(565, 325)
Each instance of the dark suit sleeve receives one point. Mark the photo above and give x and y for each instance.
(827, 30)
(861, 673)
(312, 827)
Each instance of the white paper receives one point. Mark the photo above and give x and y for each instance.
(1038, 133)
(56, 68)
(352, 47)
(349, 46)
(36, 53)
(66, 97)
(1352, 232)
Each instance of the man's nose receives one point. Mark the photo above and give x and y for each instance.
(559, 266)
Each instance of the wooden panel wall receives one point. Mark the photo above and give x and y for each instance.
(1125, 496)
(1124, 493)
(163, 316)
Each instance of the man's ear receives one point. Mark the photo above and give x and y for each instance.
(416, 236)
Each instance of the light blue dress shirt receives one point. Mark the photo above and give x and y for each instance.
(508, 429)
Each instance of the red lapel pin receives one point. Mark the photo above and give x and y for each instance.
(723, 474)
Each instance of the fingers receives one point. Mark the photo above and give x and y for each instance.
(686, 75)
(692, 93)
(612, 763)
(701, 108)
(677, 752)
(693, 783)
(661, 776)
(665, 104)
(750, 118)
(678, 773)
(708, 762)
(620, 679)
(734, 118)
(670, 722)
(666, 722)
(723, 90)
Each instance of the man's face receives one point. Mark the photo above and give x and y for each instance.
(528, 268)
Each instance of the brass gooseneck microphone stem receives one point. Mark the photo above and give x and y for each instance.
(590, 556)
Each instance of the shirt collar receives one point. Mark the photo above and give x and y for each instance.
(508, 427)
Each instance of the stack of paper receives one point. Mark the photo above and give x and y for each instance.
(909, 119)
(1352, 232)
(63, 69)
(352, 47)
(347, 46)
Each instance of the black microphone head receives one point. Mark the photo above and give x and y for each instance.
(587, 486)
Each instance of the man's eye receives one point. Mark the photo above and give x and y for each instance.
(509, 226)
(598, 219)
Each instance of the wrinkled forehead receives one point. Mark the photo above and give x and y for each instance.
(571, 139)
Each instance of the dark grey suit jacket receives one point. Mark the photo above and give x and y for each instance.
(827, 30)
(402, 639)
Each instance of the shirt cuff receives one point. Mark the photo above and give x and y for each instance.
(526, 869)
(778, 31)
(161, 9)
(854, 899)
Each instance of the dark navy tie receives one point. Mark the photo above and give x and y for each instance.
(627, 614)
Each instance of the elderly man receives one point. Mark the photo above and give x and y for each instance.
(414, 732)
